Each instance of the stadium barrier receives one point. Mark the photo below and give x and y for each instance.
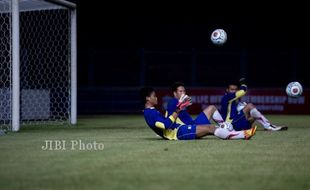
(270, 101)
(126, 100)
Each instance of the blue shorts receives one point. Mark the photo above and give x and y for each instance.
(240, 122)
(201, 119)
(186, 132)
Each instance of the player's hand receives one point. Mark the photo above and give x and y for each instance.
(184, 98)
(184, 102)
(242, 81)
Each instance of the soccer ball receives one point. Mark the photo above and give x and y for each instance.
(218, 37)
(227, 125)
(294, 89)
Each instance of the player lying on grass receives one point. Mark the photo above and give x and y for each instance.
(167, 128)
(243, 115)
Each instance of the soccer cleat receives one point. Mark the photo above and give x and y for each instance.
(276, 128)
(250, 133)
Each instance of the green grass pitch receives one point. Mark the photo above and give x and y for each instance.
(135, 158)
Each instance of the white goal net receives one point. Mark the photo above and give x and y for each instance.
(37, 62)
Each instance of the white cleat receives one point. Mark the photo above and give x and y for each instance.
(276, 128)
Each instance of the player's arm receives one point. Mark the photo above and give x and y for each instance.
(241, 92)
(171, 106)
(234, 96)
(166, 122)
(242, 89)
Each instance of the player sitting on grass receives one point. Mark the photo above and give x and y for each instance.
(178, 89)
(167, 128)
(243, 115)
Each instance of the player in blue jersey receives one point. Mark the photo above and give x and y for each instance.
(243, 115)
(167, 128)
(211, 112)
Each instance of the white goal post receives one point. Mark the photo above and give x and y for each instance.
(38, 62)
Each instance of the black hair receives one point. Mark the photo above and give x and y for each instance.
(233, 82)
(175, 86)
(145, 92)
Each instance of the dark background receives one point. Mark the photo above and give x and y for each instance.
(124, 47)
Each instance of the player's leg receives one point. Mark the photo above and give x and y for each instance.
(202, 119)
(190, 132)
(204, 130)
(240, 122)
(232, 135)
(251, 112)
(212, 113)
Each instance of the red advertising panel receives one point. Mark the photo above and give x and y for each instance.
(270, 101)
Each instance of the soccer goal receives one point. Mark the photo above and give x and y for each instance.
(37, 62)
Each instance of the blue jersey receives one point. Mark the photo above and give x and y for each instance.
(162, 126)
(229, 103)
(183, 118)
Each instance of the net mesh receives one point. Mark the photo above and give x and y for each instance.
(44, 63)
(5, 64)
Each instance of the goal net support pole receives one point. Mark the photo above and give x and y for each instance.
(38, 62)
